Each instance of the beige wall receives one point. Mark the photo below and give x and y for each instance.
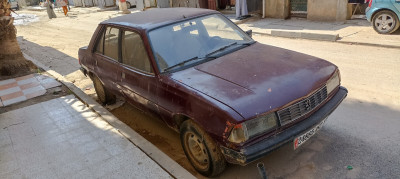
(318, 10)
(327, 10)
(277, 8)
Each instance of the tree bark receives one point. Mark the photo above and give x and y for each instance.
(12, 62)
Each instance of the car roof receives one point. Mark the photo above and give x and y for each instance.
(153, 18)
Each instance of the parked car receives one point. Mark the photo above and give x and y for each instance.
(231, 98)
(384, 15)
(14, 4)
(129, 3)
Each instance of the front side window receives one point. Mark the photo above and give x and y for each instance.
(111, 42)
(134, 53)
(195, 40)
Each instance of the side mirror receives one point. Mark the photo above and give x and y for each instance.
(250, 33)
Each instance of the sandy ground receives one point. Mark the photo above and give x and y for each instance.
(362, 132)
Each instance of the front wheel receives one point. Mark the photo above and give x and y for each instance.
(128, 5)
(385, 22)
(201, 150)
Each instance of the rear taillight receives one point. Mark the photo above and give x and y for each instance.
(370, 3)
(79, 59)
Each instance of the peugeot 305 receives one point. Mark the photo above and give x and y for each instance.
(232, 99)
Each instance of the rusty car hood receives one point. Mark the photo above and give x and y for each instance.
(258, 78)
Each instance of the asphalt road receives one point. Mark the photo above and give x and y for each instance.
(362, 133)
(364, 130)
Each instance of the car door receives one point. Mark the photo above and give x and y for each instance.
(107, 67)
(396, 4)
(138, 81)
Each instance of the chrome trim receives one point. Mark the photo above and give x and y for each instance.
(297, 110)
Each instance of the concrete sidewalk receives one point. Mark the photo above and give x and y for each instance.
(357, 31)
(62, 138)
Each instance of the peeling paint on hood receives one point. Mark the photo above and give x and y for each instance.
(258, 78)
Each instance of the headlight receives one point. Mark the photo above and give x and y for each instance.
(246, 130)
(333, 82)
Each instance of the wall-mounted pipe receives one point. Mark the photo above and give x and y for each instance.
(263, 11)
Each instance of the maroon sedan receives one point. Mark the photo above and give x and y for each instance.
(230, 98)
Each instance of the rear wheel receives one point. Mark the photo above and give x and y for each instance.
(103, 94)
(385, 22)
(201, 150)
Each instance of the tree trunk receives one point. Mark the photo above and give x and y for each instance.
(12, 62)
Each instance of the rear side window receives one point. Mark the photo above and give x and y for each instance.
(100, 43)
(134, 53)
(111, 42)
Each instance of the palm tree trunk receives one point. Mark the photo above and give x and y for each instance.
(12, 62)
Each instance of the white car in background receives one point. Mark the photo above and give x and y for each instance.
(129, 3)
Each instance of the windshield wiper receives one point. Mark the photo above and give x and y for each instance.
(248, 43)
(221, 48)
(180, 64)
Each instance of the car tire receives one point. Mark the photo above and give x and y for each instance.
(385, 22)
(128, 5)
(104, 96)
(201, 150)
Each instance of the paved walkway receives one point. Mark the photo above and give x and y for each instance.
(62, 138)
(357, 31)
(25, 87)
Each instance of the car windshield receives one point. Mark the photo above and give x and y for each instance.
(195, 40)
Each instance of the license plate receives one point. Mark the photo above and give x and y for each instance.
(300, 140)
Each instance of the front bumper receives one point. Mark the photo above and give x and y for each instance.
(369, 12)
(260, 149)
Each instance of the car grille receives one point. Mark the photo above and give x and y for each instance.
(303, 107)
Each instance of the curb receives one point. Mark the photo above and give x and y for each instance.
(337, 40)
(35, 9)
(108, 9)
(160, 158)
(305, 35)
(368, 44)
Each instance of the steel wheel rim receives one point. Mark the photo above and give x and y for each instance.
(197, 151)
(384, 23)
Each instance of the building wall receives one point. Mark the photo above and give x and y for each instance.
(277, 8)
(318, 10)
(25, 3)
(327, 10)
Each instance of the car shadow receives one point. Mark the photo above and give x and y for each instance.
(350, 137)
(358, 134)
(397, 32)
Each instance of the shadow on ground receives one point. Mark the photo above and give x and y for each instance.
(298, 24)
(357, 134)
(59, 62)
